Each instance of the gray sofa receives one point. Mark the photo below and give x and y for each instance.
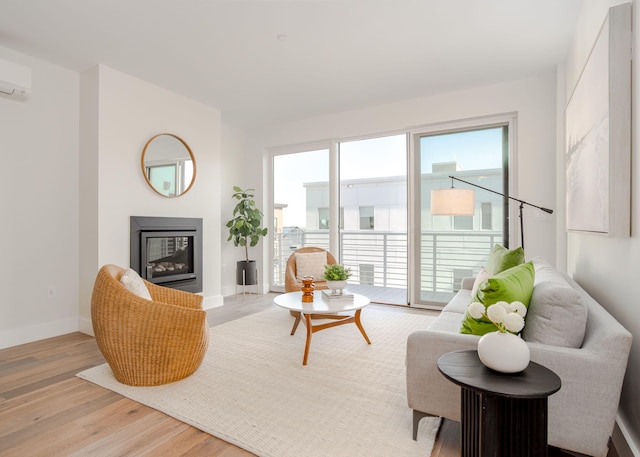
(566, 330)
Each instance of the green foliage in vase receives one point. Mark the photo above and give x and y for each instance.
(244, 228)
(336, 272)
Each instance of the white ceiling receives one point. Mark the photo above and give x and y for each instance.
(332, 55)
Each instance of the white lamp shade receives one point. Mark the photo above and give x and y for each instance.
(452, 202)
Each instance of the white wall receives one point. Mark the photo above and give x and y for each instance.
(39, 205)
(533, 99)
(128, 111)
(234, 163)
(608, 267)
(72, 168)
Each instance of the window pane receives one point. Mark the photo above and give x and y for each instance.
(451, 246)
(301, 196)
(463, 222)
(163, 179)
(486, 216)
(373, 210)
(323, 218)
(366, 218)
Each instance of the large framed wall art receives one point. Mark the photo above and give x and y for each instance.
(598, 134)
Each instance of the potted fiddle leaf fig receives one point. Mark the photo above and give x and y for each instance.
(245, 230)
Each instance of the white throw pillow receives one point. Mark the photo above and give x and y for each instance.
(557, 313)
(133, 282)
(483, 275)
(310, 264)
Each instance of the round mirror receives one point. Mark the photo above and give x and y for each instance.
(168, 165)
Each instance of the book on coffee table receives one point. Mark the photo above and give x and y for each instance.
(329, 295)
(338, 300)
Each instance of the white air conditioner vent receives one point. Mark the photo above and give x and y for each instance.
(15, 80)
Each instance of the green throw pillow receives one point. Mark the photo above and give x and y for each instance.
(514, 284)
(501, 259)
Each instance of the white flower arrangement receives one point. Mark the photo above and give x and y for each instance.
(507, 317)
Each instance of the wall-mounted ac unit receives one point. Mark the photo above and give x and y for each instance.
(15, 80)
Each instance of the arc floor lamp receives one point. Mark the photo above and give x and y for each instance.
(460, 202)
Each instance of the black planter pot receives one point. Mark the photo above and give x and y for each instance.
(246, 273)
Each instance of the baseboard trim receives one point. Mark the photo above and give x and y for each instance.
(623, 440)
(23, 335)
(212, 302)
(85, 326)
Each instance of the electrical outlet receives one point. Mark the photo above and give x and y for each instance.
(51, 292)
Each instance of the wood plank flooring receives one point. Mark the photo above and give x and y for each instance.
(46, 411)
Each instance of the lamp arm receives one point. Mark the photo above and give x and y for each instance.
(522, 202)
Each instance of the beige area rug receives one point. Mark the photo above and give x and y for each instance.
(253, 391)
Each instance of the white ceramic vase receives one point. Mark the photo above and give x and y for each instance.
(504, 352)
(336, 286)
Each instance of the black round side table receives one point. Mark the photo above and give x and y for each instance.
(503, 415)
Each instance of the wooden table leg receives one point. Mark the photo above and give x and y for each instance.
(307, 318)
(339, 320)
(295, 324)
(360, 327)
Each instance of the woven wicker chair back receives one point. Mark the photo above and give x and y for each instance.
(291, 284)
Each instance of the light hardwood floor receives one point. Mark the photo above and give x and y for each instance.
(46, 411)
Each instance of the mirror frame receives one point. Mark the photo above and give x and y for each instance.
(144, 168)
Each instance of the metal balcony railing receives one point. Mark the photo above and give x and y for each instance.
(447, 257)
(379, 258)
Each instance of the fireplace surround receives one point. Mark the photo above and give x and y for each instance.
(168, 251)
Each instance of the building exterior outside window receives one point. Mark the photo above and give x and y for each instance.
(323, 218)
(366, 218)
(463, 222)
(485, 216)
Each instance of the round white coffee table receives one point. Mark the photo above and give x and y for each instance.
(322, 308)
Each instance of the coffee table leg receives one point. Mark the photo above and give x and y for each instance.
(307, 318)
(295, 324)
(360, 327)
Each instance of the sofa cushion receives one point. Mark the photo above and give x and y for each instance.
(447, 322)
(514, 284)
(310, 264)
(501, 259)
(557, 313)
(459, 303)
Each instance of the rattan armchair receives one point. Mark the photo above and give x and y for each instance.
(291, 283)
(147, 343)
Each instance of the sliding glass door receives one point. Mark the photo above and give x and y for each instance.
(373, 216)
(352, 197)
(449, 248)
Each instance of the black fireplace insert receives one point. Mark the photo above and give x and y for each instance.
(168, 251)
